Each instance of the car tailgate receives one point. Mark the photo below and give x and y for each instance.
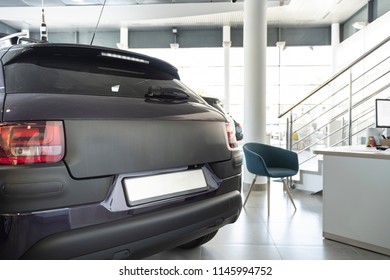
(104, 147)
(112, 135)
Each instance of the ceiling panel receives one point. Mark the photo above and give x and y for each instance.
(122, 2)
(12, 3)
(38, 3)
(68, 14)
(81, 2)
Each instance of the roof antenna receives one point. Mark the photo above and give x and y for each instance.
(97, 24)
(43, 28)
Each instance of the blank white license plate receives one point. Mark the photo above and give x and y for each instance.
(140, 190)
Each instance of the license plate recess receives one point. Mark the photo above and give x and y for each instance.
(140, 190)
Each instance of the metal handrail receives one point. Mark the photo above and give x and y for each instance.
(342, 88)
(340, 114)
(335, 76)
(343, 104)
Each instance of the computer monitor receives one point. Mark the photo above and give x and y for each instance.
(382, 113)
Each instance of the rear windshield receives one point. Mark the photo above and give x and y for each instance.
(67, 74)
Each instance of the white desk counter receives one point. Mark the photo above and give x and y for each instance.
(356, 197)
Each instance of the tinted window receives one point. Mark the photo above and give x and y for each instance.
(69, 74)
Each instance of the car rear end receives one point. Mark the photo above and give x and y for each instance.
(105, 154)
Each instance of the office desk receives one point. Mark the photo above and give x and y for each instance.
(356, 197)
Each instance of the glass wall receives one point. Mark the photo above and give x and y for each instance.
(292, 73)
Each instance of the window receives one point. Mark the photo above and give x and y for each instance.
(77, 74)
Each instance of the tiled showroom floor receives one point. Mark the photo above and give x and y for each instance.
(285, 235)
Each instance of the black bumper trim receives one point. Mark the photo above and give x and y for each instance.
(143, 235)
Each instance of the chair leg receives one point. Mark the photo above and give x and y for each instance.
(250, 189)
(268, 194)
(286, 187)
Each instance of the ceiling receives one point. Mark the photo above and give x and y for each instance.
(136, 14)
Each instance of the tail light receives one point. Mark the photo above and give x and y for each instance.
(231, 135)
(35, 142)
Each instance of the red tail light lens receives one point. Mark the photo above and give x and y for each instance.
(231, 135)
(35, 142)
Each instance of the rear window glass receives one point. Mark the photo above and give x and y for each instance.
(64, 74)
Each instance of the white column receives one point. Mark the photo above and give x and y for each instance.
(255, 45)
(124, 38)
(335, 41)
(226, 50)
(335, 125)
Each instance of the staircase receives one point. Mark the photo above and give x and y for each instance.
(338, 112)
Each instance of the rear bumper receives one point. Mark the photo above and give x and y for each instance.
(90, 219)
(142, 236)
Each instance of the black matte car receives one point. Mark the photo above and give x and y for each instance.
(105, 154)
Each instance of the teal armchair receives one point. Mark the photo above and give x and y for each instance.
(271, 162)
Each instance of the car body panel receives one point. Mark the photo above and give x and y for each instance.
(124, 115)
(131, 140)
(67, 106)
(139, 146)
